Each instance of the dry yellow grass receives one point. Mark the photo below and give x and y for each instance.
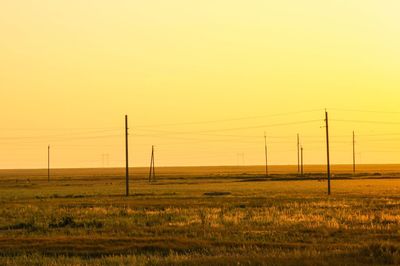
(82, 218)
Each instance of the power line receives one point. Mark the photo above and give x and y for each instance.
(166, 133)
(365, 121)
(364, 111)
(398, 151)
(55, 136)
(259, 126)
(382, 140)
(58, 129)
(379, 135)
(69, 139)
(194, 139)
(230, 119)
(237, 128)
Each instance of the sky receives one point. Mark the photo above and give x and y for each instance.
(200, 80)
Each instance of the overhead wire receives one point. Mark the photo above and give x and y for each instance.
(228, 120)
(55, 136)
(59, 129)
(251, 127)
(364, 111)
(65, 139)
(365, 121)
(228, 138)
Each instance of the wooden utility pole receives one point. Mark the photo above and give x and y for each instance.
(354, 153)
(328, 165)
(48, 163)
(302, 162)
(266, 154)
(126, 157)
(154, 168)
(151, 164)
(298, 153)
(152, 174)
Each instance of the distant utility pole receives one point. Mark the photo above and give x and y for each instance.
(126, 157)
(48, 163)
(238, 158)
(298, 153)
(302, 162)
(105, 158)
(328, 165)
(152, 174)
(266, 154)
(354, 153)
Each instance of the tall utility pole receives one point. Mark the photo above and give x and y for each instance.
(152, 174)
(126, 157)
(266, 154)
(328, 165)
(154, 168)
(302, 162)
(354, 153)
(298, 153)
(48, 163)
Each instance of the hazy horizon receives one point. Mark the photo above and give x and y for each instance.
(360, 167)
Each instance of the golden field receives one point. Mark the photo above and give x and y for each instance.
(200, 215)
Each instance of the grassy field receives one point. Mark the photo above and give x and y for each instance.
(200, 215)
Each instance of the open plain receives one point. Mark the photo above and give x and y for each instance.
(200, 215)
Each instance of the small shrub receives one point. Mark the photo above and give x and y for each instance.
(65, 222)
(30, 226)
(68, 221)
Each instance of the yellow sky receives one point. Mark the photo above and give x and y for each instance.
(70, 71)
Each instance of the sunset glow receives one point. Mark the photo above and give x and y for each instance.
(200, 80)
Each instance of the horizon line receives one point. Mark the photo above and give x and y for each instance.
(199, 166)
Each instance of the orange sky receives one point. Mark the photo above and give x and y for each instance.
(201, 81)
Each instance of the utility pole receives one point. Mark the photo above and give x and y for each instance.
(354, 154)
(328, 165)
(266, 154)
(48, 163)
(152, 174)
(302, 162)
(154, 168)
(298, 153)
(126, 157)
